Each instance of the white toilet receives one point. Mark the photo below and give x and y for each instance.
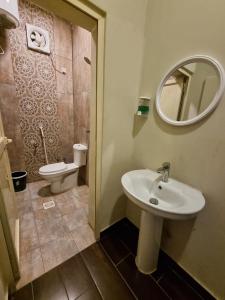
(64, 176)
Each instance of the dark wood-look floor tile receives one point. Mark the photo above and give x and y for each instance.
(113, 228)
(90, 294)
(75, 277)
(128, 234)
(166, 264)
(176, 288)
(105, 276)
(162, 269)
(23, 294)
(143, 286)
(114, 248)
(49, 287)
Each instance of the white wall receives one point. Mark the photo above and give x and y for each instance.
(176, 29)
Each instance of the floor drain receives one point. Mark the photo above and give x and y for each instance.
(154, 201)
(49, 204)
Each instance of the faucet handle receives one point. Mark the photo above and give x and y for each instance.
(166, 165)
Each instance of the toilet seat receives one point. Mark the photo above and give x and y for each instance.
(57, 169)
(53, 168)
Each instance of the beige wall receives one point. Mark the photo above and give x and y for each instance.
(196, 153)
(123, 45)
(203, 85)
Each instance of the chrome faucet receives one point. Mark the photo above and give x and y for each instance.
(165, 171)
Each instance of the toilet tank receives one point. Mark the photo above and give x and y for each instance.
(80, 154)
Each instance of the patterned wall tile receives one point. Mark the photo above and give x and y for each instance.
(28, 107)
(36, 88)
(35, 82)
(31, 140)
(44, 97)
(23, 66)
(24, 125)
(45, 70)
(48, 108)
(21, 87)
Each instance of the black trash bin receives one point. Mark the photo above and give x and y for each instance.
(19, 180)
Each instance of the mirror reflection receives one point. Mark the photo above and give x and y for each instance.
(189, 91)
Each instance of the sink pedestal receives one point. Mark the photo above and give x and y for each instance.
(149, 242)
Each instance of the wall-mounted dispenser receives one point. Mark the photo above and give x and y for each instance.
(9, 14)
(143, 106)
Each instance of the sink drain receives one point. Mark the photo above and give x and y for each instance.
(154, 201)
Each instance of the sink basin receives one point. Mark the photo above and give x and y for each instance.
(175, 200)
(158, 200)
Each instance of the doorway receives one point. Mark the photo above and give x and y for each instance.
(43, 243)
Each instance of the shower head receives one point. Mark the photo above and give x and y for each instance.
(87, 60)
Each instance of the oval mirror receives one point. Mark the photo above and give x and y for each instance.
(190, 90)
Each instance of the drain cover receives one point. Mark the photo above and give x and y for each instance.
(154, 201)
(49, 204)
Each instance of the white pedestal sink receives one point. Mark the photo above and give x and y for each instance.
(158, 200)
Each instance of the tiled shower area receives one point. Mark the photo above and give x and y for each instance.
(48, 90)
(51, 91)
(50, 236)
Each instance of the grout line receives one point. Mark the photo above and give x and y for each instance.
(32, 290)
(92, 277)
(125, 245)
(160, 277)
(115, 267)
(38, 240)
(84, 291)
(62, 281)
(122, 259)
(35, 227)
(158, 283)
(121, 240)
(149, 275)
(129, 287)
(109, 257)
(187, 283)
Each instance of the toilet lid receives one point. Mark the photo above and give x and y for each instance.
(79, 147)
(53, 168)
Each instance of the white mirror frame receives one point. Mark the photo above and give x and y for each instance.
(213, 104)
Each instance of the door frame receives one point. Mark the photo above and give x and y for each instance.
(96, 101)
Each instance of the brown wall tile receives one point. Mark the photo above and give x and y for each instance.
(6, 73)
(65, 115)
(81, 87)
(34, 93)
(64, 81)
(9, 112)
(63, 38)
